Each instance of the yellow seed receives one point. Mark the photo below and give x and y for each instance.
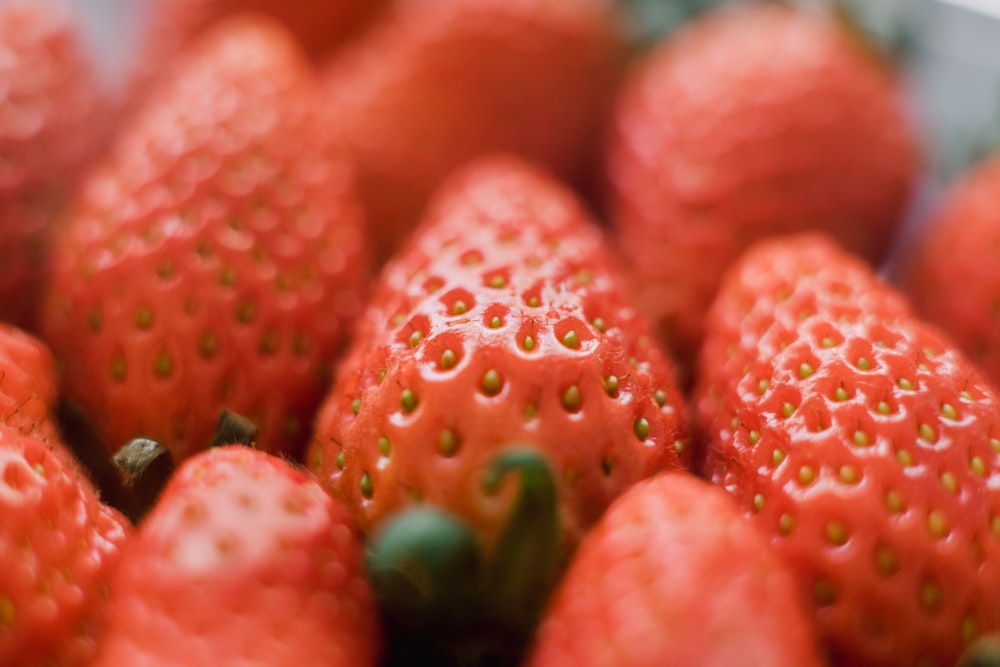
(977, 466)
(861, 439)
(492, 383)
(864, 364)
(823, 592)
(948, 411)
(571, 340)
(529, 344)
(882, 408)
(356, 405)
(995, 445)
(340, 460)
(827, 342)
(926, 433)
(571, 399)
(904, 458)
(848, 474)
(787, 410)
(995, 525)
(367, 486)
(786, 524)
(533, 302)
(836, 533)
(641, 428)
(530, 410)
(408, 400)
(459, 308)
(163, 365)
(905, 384)
(118, 368)
(660, 397)
(777, 457)
(448, 360)
(448, 443)
(930, 595)
(598, 323)
(7, 612)
(886, 561)
(144, 318)
(840, 394)
(970, 628)
(679, 446)
(949, 482)
(758, 502)
(806, 475)
(754, 437)
(497, 282)
(805, 370)
(384, 446)
(495, 322)
(937, 523)
(415, 338)
(894, 502)
(762, 386)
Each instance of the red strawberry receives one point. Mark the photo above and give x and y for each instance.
(950, 273)
(215, 257)
(673, 574)
(52, 122)
(168, 27)
(503, 321)
(754, 120)
(59, 545)
(436, 83)
(244, 560)
(864, 445)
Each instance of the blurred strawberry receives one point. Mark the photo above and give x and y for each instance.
(59, 546)
(244, 560)
(753, 120)
(673, 574)
(436, 83)
(215, 257)
(167, 27)
(950, 273)
(53, 121)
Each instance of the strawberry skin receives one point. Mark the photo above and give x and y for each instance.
(863, 444)
(754, 120)
(950, 272)
(435, 83)
(244, 560)
(214, 259)
(59, 545)
(673, 574)
(504, 321)
(53, 121)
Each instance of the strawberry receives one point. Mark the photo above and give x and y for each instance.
(949, 272)
(59, 545)
(753, 120)
(168, 27)
(216, 255)
(435, 83)
(52, 123)
(865, 447)
(503, 321)
(243, 560)
(674, 574)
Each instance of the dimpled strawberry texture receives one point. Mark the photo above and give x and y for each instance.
(674, 574)
(244, 560)
(950, 274)
(503, 321)
(215, 257)
(59, 545)
(864, 444)
(753, 120)
(436, 83)
(53, 120)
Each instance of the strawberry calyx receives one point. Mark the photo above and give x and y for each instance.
(145, 466)
(443, 598)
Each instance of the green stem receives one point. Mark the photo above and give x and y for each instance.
(984, 652)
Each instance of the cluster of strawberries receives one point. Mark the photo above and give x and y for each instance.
(553, 352)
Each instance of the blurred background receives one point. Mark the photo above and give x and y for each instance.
(952, 49)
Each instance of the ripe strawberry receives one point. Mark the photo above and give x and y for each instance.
(503, 321)
(864, 445)
(673, 574)
(168, 27)
(59, 545)
(436, 83)
(950, 272)
(244, 560)
(52, 122)
(754, 120)
(214, 258)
